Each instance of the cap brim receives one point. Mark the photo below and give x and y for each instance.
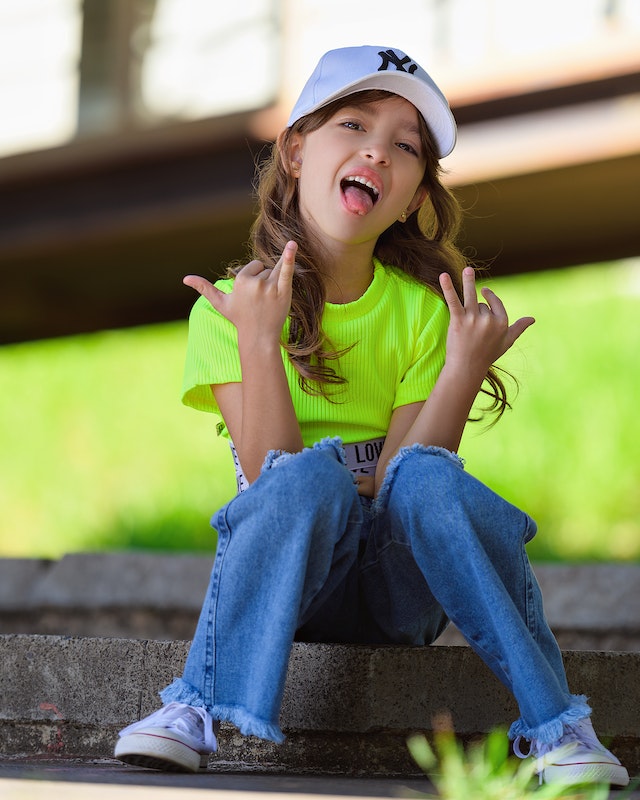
(433, 107)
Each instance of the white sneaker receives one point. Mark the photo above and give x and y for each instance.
(177, 738)
(577, 757)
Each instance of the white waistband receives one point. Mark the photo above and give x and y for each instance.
(361, 457)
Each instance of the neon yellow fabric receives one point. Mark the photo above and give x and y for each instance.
(399, 329)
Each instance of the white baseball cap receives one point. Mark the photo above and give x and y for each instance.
(348, 70)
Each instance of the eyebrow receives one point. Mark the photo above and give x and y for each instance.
(409, 127)
(413, 128)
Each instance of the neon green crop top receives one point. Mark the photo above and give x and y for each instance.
(399, 328)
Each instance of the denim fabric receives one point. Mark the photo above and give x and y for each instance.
(302, 555)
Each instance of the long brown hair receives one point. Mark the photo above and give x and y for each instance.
(423, 246)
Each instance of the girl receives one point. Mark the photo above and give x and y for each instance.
(358, 318)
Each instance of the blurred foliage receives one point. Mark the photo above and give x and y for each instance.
(485, 771)
(97, 452)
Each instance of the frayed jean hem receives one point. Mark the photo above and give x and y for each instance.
(381, 500)
(275, 458)
(249, 725)
(551, 731)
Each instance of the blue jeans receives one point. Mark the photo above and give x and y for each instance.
(302, 555)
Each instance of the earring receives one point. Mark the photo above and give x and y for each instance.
(403, 216)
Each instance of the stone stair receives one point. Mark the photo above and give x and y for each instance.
(589, 606)
(87, 642)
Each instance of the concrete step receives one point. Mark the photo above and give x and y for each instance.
(347, 709)
(589, 606)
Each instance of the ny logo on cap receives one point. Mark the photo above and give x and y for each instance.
(390, 58)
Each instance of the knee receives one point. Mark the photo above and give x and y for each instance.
(308, 490)
(421, 476)
(429, 487)
(318, 470)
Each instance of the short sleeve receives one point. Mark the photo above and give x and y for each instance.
(212, 354)
(429, 354)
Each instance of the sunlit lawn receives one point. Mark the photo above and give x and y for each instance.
(97, 452)
(568, 452)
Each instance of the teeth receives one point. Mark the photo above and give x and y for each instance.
(368, 184)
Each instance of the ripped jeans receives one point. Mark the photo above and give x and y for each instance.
(302, 555)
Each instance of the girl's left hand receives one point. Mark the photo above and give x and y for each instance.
(479, 333)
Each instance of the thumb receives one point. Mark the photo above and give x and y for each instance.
(206, 289)
(518, 328)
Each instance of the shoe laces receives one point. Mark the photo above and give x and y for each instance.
(192, 720)
(575, 734)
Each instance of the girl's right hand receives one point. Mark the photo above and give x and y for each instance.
(259, 302)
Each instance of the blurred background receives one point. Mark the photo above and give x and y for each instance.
(129, 130)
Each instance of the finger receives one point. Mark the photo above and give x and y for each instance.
(205, 288)
(450, 294)
(469, 293)
(288, 261)
(518, 328)
(288, 254)
(494, 302)
(198, 283)
(366, 485)
(284, 269)
(252, 268)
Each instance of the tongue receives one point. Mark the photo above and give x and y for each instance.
(357, 200)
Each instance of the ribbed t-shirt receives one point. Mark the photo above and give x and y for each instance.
(398, 331)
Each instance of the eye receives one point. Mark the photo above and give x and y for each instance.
(352, 125)
(409, 148)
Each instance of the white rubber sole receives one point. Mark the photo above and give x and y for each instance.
(159, 750)
(586, 772)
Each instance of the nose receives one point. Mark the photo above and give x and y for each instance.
(378, 151)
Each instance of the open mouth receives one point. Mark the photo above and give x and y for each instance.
(360, 194)
(360, 184)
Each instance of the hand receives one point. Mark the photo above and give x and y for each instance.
(366, 485)
(479, 333)
(260, 300)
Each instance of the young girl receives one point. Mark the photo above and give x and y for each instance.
(344, 361)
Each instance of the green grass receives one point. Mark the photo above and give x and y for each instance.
(97, 452)
(568, 451)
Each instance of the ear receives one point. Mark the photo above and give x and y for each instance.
(418, 199)
(291, 154)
